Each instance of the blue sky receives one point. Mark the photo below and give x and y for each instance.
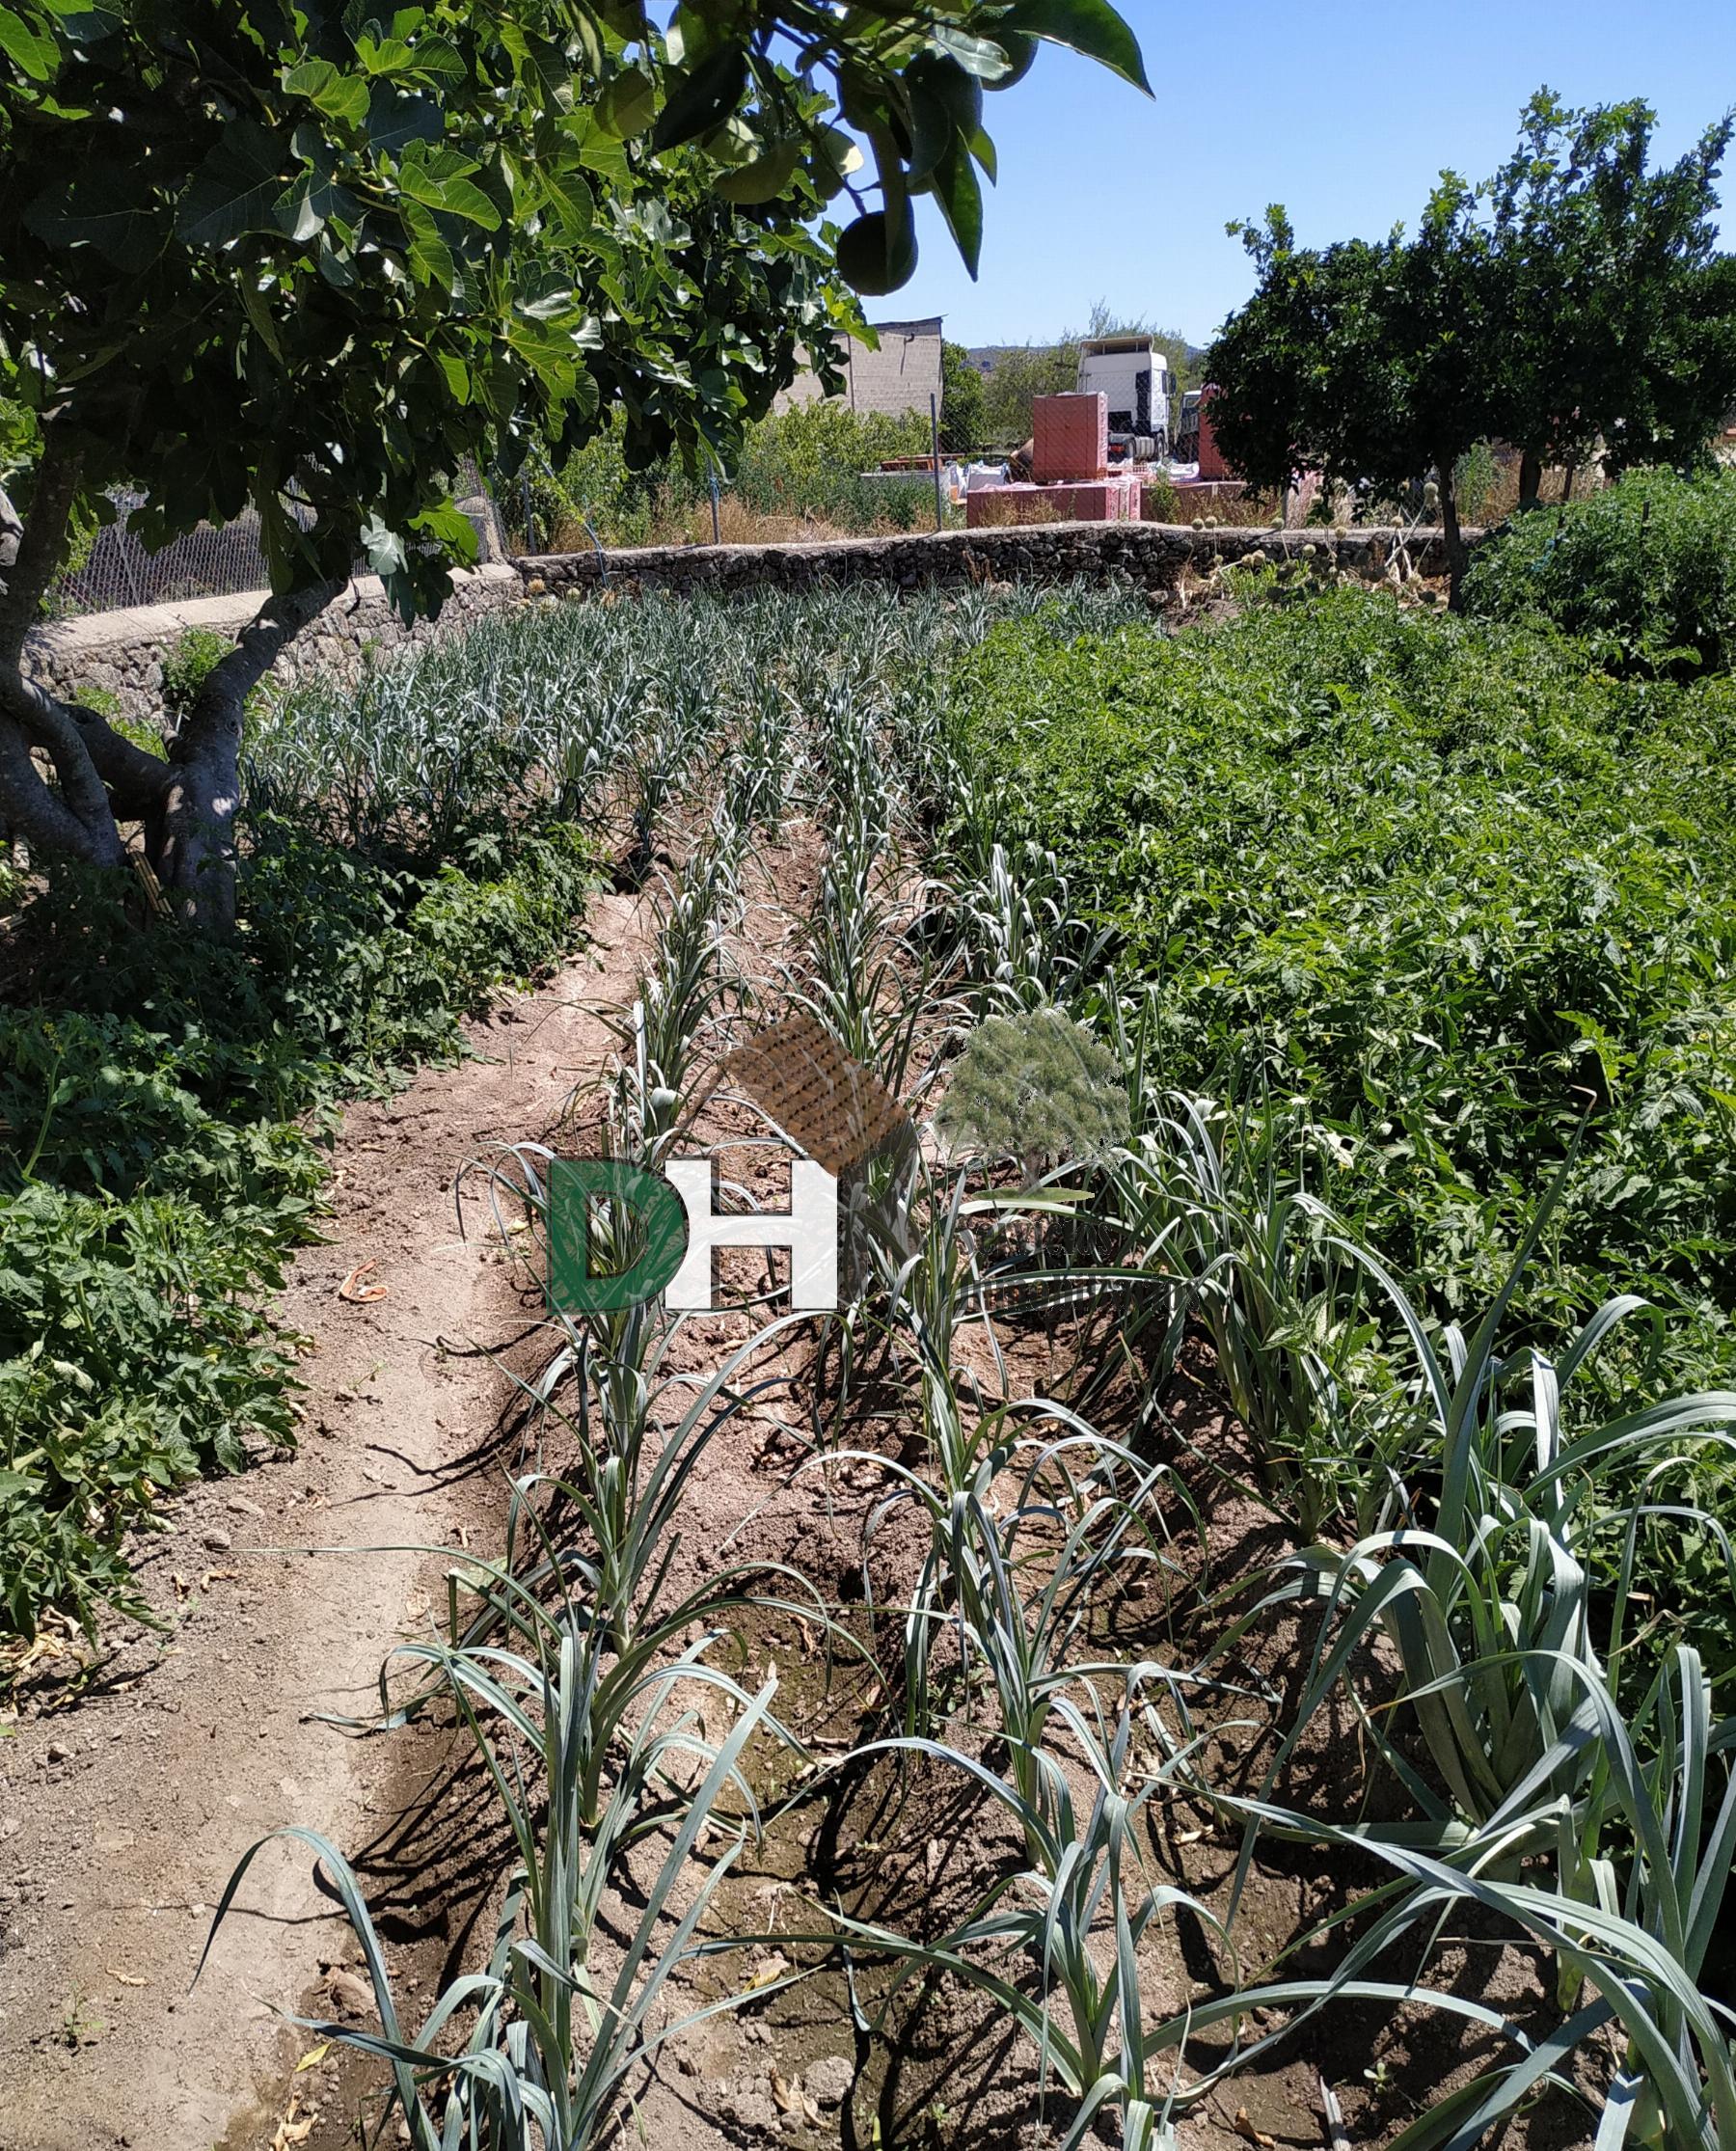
(1342, 112)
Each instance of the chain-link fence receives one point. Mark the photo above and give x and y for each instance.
(211, 562)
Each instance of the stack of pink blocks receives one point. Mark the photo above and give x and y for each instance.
(1111, 499)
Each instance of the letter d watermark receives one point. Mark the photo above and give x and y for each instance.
(578, 1285)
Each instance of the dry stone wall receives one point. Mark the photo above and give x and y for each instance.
(1152, 554)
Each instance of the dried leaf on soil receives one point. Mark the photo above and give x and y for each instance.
(356, 1291)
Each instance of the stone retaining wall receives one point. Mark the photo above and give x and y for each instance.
(121, 654)
(1153, 555)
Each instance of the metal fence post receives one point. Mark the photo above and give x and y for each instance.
(529, 520)
(715, 539)
(934, 444)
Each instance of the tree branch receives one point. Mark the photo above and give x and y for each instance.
(196, 858)
(29, 807)
(217, 707)
(42, 543)
(72, 737)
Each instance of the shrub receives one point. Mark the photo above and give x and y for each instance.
(1646, 568)
(809, 461)
(160, 1157)
(196, 656)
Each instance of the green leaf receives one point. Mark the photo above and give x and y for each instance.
(1088, 26)
(596, 149)
(394, 121)
(961, 199)
(573, 203)
(236, 188)
(451, 530)
(30, 49)
(835, 157)
(429, 256)
(1021, 53)
(440, 178)
(384, 547)
(458, 375)
(339, 96)
(762, 180)
(560, 302)
(86, 25)
(931, 127)
(976, 56)
(258, 313)
(627, 104)
(701, 99)
(312, 202)
(100, 208)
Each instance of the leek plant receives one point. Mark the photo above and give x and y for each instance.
(1216, 1194)
(1490, 1605)
(1083, 1896)
(552, 2043)
(1645, 1844)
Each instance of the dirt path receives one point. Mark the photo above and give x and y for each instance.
(123, 1814)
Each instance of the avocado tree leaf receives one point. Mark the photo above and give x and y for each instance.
(1088, 26)
(700, 99)
(961, 198)
(975, 56)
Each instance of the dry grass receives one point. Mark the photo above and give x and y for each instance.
(737, 524)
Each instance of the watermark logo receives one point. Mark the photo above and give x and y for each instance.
(676, 1225)
(619, 1235)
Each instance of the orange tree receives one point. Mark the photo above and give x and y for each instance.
(1576, 297)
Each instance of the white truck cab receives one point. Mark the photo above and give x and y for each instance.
(1135, 375)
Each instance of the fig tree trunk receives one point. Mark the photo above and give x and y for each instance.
(73, 787)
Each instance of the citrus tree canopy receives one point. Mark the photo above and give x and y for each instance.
(1575, 299)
